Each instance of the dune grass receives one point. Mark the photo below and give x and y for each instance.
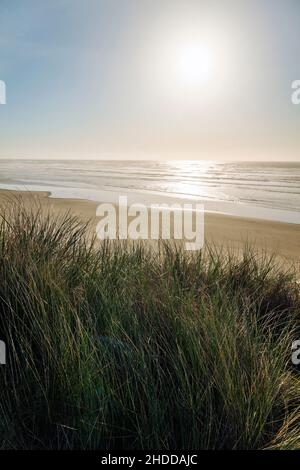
(114, 346)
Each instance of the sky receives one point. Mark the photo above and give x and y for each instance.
(150, 79)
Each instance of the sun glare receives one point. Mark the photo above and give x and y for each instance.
(195, 64)
(188, 66)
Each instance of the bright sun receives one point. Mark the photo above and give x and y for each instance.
(190, 67)
(195, 64)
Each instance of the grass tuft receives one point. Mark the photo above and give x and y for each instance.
(116, 346)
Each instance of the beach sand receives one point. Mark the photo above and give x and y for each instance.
(277, 238)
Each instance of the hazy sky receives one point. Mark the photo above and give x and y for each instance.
(150, 79)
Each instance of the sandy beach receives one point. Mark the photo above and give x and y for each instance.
(277, 238)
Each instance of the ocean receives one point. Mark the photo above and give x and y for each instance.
(247, 189)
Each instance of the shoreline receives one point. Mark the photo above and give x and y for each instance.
(148, 197)
(233, 232)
